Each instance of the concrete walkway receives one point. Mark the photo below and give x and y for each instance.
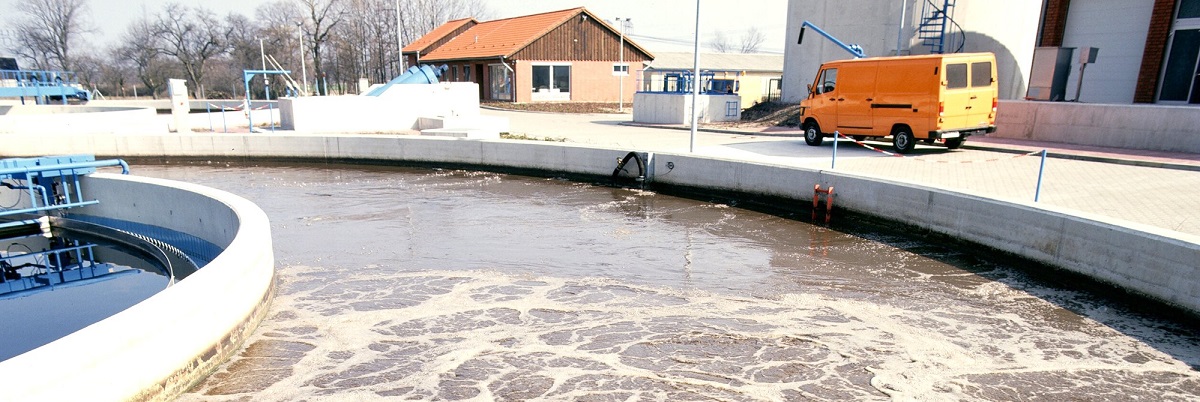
(1158, 189)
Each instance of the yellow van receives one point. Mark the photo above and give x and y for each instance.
(937, 97)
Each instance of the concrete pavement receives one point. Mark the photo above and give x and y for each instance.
(1150, 188)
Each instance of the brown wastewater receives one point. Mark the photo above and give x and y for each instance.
(440, 284)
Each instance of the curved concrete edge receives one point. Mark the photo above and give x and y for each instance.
(1158, 264)
(160, 347)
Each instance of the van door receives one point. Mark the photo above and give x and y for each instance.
(983, 93)
(855, 94)
(823, 100)
(956, 95)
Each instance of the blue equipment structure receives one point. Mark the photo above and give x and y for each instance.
(425, 74)
(679, 80)
(855, 50)
(249, 74)
(935, 27)
(52, 184)
(41, 85)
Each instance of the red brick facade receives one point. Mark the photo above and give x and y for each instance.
(1054, 22)
(1156, 46)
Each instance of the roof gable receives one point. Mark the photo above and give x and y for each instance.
(501, 37)
(438, 34)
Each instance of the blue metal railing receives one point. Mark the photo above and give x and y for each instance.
(41, 84)
(52, 183)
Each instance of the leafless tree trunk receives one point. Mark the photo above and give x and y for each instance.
(323, 16)
(192, 36)
(49, 30)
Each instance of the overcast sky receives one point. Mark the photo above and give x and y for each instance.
(656, 25)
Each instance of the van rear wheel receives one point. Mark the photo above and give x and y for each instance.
(812, 134)
(903, 140)
(954, 143)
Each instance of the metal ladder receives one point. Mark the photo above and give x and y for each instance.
(935, 27)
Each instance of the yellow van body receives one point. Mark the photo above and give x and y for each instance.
(937, 97)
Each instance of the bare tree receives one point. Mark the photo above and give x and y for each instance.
(323, 16)
(751, 40)
(139, 47)
(193, 36)
(719, 43)
(49, 30)
(748, 43)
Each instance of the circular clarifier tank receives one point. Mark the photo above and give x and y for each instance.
(453, 284)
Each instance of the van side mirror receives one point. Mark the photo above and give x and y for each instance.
(809, 86)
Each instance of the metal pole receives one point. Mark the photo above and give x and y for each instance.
(400, 42)
(900, 31)
(695, 80)
(1037, 193)
(833, 165)
(303, 67)
(621, 91)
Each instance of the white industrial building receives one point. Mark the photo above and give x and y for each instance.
(1147, 50)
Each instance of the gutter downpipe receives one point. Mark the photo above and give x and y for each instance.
(512, 89)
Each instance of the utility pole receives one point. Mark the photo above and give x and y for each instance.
(695, 80)
(399, 41)
(303, 66)
(624, 70)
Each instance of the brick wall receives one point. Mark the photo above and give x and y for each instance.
(1156, 46)
(1054, 22)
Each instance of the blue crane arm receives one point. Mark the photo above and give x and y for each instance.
(855, 50)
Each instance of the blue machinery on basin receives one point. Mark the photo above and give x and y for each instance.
(41, 85)
(52, 185)
(424, 74)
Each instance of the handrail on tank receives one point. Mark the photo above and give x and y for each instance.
(53, 197)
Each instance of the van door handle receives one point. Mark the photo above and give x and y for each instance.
(841, 99)
(870, 99)
(974, 97)
(832, 99)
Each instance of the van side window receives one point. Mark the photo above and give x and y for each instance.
(981, 74)
(956, 75)
(827, 82)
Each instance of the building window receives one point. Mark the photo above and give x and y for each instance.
(732, 108)
(466, 73)
(501, 82)
(1179, 83)
(551, 82)
(620, 69)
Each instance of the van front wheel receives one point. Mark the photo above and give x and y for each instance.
(903, 140)
(812, 134)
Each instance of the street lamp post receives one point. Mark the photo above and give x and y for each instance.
(621, 64)
(695, 80)
(303, 66)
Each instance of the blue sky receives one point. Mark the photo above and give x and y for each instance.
(657, 25)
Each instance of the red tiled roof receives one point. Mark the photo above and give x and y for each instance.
(437, 34)
(500, 37)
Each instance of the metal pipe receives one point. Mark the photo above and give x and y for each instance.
(67, 166)
(1037, 193)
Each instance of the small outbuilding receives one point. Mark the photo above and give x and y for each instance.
(756, 78)
(569, 55)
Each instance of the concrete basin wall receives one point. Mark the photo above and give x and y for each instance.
(158, 348)
(1152, 262)
(70, 119)
(1146, 127)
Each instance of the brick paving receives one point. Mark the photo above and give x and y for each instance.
(1158, 189)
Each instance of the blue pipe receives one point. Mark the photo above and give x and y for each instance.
(67, 166)
(855, 50)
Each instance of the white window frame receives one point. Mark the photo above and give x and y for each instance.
(552, 93)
